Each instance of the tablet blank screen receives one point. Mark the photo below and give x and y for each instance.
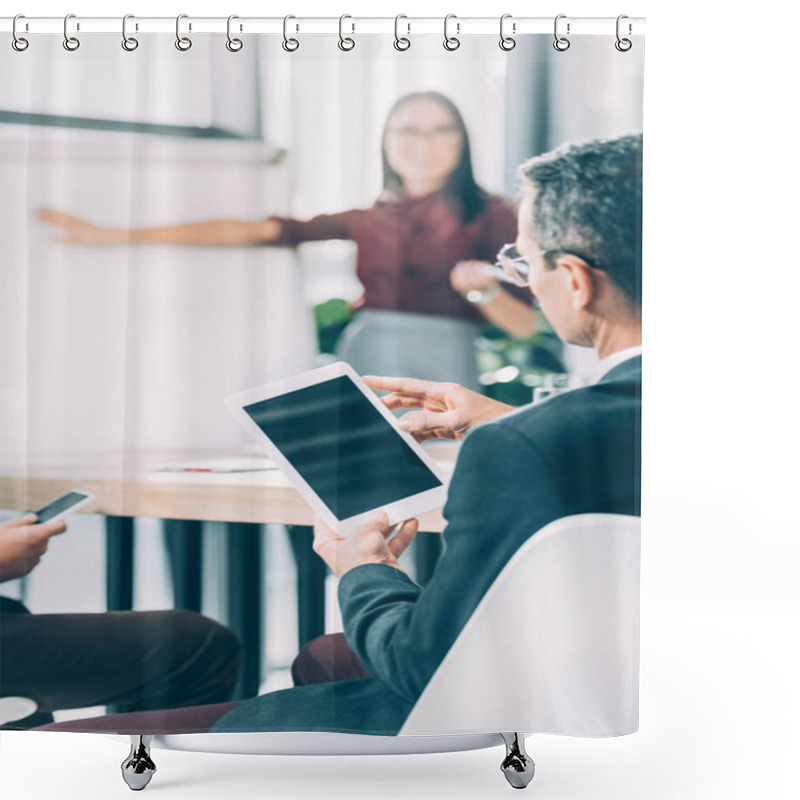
(343, 447)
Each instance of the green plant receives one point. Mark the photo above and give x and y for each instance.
(510, 368)
(331, 318)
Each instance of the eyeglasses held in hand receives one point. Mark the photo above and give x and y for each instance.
(511, 267)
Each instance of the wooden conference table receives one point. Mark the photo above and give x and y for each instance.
(127, 485)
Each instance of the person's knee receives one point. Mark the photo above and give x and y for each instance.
(207, 639)
(315, 650)
(227, 647)
(304, 663)
(221, 638)
(211, 658)
(310, 654)
(317, 660)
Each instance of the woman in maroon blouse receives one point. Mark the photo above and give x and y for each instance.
(423, 249)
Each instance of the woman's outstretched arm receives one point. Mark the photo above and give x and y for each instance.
(213, 232)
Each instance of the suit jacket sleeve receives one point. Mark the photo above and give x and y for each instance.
(500, 495)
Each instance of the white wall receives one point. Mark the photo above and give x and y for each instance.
(107, 348)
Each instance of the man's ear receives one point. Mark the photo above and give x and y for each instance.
(580, 278)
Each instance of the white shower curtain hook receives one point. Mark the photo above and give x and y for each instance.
(129, 43)
(19, 43)
(289, 44)
(561, 43)
(451, 42)
(401, 42)
(623, 45)
(507, 42)
(346, 43)
(71, 43)
(233, 44)
(182, 42)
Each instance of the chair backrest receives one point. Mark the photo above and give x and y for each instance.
(553, 646)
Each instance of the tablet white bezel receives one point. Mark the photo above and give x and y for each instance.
(397, 511)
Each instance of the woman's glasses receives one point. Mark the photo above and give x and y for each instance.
(441, 133)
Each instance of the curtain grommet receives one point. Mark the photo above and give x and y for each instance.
(289, 44)
(507, 43)
(560, 43)
(623, 44)
(129, 43)
(401, 43)
(346, 43)
(71, 43)
(19, 43)
(233, 44)
(183, 43)
(451, 43)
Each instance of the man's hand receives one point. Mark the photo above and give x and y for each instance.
(22, 544)
(448, 411)
(367, 544)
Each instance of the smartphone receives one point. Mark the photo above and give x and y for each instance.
(71, 501)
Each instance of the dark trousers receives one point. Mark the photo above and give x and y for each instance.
(139, 660)
(322, 660)
(325, 659)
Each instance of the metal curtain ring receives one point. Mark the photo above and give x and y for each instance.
(401, 42)
(70, 42)
(507, 42)
(233, 44)
(18, 42)
(182, 42)
(451, 42)
(346, 43)
(129, 43)
(623, 45)
(289, 44)
(561, 43)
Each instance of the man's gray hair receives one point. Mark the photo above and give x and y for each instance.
(587, 200)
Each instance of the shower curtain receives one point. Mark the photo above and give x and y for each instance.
(191, 213)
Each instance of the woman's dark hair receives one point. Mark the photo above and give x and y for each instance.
(461, 185)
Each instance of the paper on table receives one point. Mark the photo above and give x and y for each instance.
(232, 464)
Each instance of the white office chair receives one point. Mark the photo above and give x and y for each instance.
(553, 647)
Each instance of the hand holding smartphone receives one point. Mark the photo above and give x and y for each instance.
(66, 504)
(23, 541)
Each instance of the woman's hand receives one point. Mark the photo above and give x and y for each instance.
(79, 232)
(469, 276)
(500, 307)
(369, 543)
(23, 543)
(447, 410)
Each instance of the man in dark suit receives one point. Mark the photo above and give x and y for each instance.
(579, 251)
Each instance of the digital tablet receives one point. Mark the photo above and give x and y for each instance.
(340, 447)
